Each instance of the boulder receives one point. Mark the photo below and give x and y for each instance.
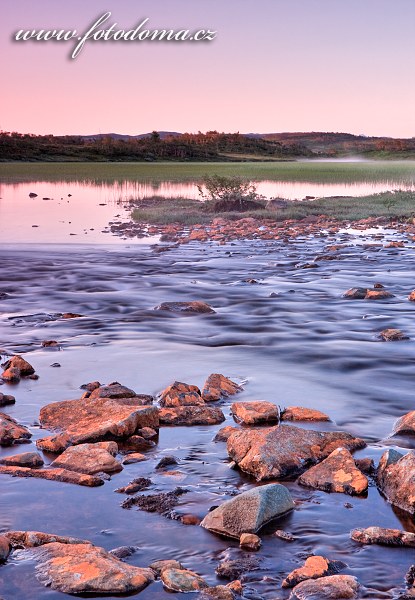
(224, 433)
(336, 473)
(84, 568)
(333, 587)
(26, 459)
(367, 294)
(181, 394)
(218, 386)
(32, 539)
(95, 419)
(182, 580)
(191, 415)
(54, 443)
(396, 479)
(62, 475)
(255, 413)
(11, 432)
(356, 293)
(405, 424)
(159, 565)
(392, 335)
(90, 458)
(249, 511)
(15, 368)
(378, 295)
(6, 399)
(285, 450)
(114, 391)
(384, 537)
(195, 307)
(314, 567)
(299, 413)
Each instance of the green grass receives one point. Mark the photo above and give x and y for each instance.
(162, 211)
(322, 172)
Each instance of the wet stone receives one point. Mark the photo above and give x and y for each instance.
(396, 479)
(26, 459)
(255, 413)
(162, 503)
(314, 567)
(6, 399)
(384, 537)
(182, 580)
(90, 458)
(15, 368)
(136, 485)
(392, 335)
(11, 432)
(332, 587)
(181, 394)
(235, 568)
(4, 548)
(124, 551)
(166, 461)
(61, 475)
(133, 457)
(299, 413)
(337, 473)
(159, 565)
(218, 386)
(195, 307)
(250, 541)
(224, 433)
(191, 415)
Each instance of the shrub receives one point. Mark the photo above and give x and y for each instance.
(224, 194)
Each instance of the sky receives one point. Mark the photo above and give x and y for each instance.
(275, 66)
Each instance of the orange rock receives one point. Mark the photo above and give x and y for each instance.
(411, 296)
(15, 368)
(90, 458)
(314, 567)
(62, 475)
(26, 459)
(337, 473)
(396, 479)
(254, 413)
(299, 413)
(218, 386)
(11, 432)
(181, 394)
(384, 537)
(224, 433)
(392, 335)
(191, 415)
(378, 295)
(250, 541)
(332, 586)
(32, 539)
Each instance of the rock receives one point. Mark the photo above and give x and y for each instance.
(393, 335)
(136, 485)
(94, 419)
(54, 444)
(224, 433)
(26, 459)
(134, 457)
(190, 520)
(356, 293)
(236, 586)
(218, 386)
(405, 424)
(32, 539)
(166, 461)
(182, 580)
(299, 413)
(411, 296)
(284, 535)
(15, 368)
(50, 344)
(255, 413)
(191, 415)
(162, 503)
(90, 387)
(219, 592)
(70, 315)
(159, 565)
(337, 473)
(284, 450)
(62, 475)
(396, 479)
(195, 307)
(32, 195)
(314, 567)
(333, 587)
(148, 433)
(249, 511)
(6, 399)
(250, 541)
(90, 458)
(366, 465)
(378, 295)
(233, 569)
(4, 548)
(84, 568)
(181, 394)
(137, 442)
(124, 551)
(11, 432)
(113, 391)
(384, 537)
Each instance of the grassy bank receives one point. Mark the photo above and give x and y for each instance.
(161, 211)
(318, 172)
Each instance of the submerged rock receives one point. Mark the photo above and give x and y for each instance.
(378, 295)
(159, 565)
(249, 511)
(234, 569)
(32, 539)
(133, 457)
(62, 475)
(219, 592)
(393, 335)
(384, 537)
(396, 479)
(299, 413)
(314, 567)
(218, 386)
(94, 419)
(195, 307)
(367, 294)
(11, 432)
(285, 450)
(255, 413)
(411, 296)
(162, 503)
(356, 293)
(90, 458)
(136, 485)
(182, 580)
(15, 368)
(84, 568)
(26, 459)
(336, 473)
(180, 394)
(191, 415)
(332, 587)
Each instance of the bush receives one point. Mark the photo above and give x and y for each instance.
(228, 194)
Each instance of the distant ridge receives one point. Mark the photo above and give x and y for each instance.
(120, 136)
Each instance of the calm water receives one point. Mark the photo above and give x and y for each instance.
(306, 346)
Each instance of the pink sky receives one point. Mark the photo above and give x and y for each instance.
(276, 65)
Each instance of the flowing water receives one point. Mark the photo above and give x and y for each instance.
(304, 345)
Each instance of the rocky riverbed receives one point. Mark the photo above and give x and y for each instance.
(230, 418)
